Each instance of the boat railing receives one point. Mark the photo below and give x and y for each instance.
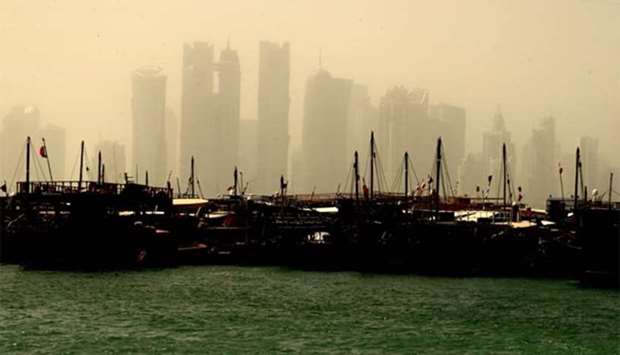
(74, 187)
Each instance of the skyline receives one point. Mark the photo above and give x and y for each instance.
(533, 59)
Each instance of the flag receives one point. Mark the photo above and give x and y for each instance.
(43, 152)
(3, 188)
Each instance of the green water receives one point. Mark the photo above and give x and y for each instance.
(226, 309)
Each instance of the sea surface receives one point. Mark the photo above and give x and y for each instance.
(234, 309)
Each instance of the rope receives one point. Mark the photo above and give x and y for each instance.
(19, 163)
(77, 157)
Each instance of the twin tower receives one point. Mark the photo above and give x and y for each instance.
(210, 119)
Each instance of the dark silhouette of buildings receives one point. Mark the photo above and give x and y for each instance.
(148, 118)
(273, 114)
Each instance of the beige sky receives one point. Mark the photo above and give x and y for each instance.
(73, 59)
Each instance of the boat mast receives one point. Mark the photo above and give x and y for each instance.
(102, 173)
(146, 178)
(47, 158)
(504, 170)
(99, 167)
(236, 180)
(577, 166)
(81, 165)
(28, 165)
(611, 187)
(282, 189)
(372, 164)
(192, 184)
(356, 171)
(438, 177)
(406, 174)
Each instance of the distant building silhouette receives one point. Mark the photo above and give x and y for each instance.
(273, 114)
(171, 128)
(148, 118)
(404, 125)
(223, 133)
(114, 157)
(476, 169)
(450, 121)
(197, 109)
(363, 118)
(210, 117)
(20, 122)
(325, 157)
(540, 163)
(248, 145)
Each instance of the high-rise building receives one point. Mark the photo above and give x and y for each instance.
(148, 118)
(19, 123)
(210, 117)
(223, 134)
(248, 134)
(450, 121)
(197, 109)
(326, 108)
(492, 143)
(405, 126)
(540, 164)
(171, 128)
(363, 119)
(273, 113)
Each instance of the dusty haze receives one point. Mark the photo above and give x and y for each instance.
(73, 59)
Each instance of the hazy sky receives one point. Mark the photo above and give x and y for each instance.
(73, 59)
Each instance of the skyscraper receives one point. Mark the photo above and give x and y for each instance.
(148, 118)
(172, 142)
(326, 108)
(404, 125)
(492, 142)
(197, 108)
(450, 122)
(224, 133)
(363, 118)
(273, 111)
(541, 164)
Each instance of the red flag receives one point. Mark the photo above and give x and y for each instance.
(43, 152)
